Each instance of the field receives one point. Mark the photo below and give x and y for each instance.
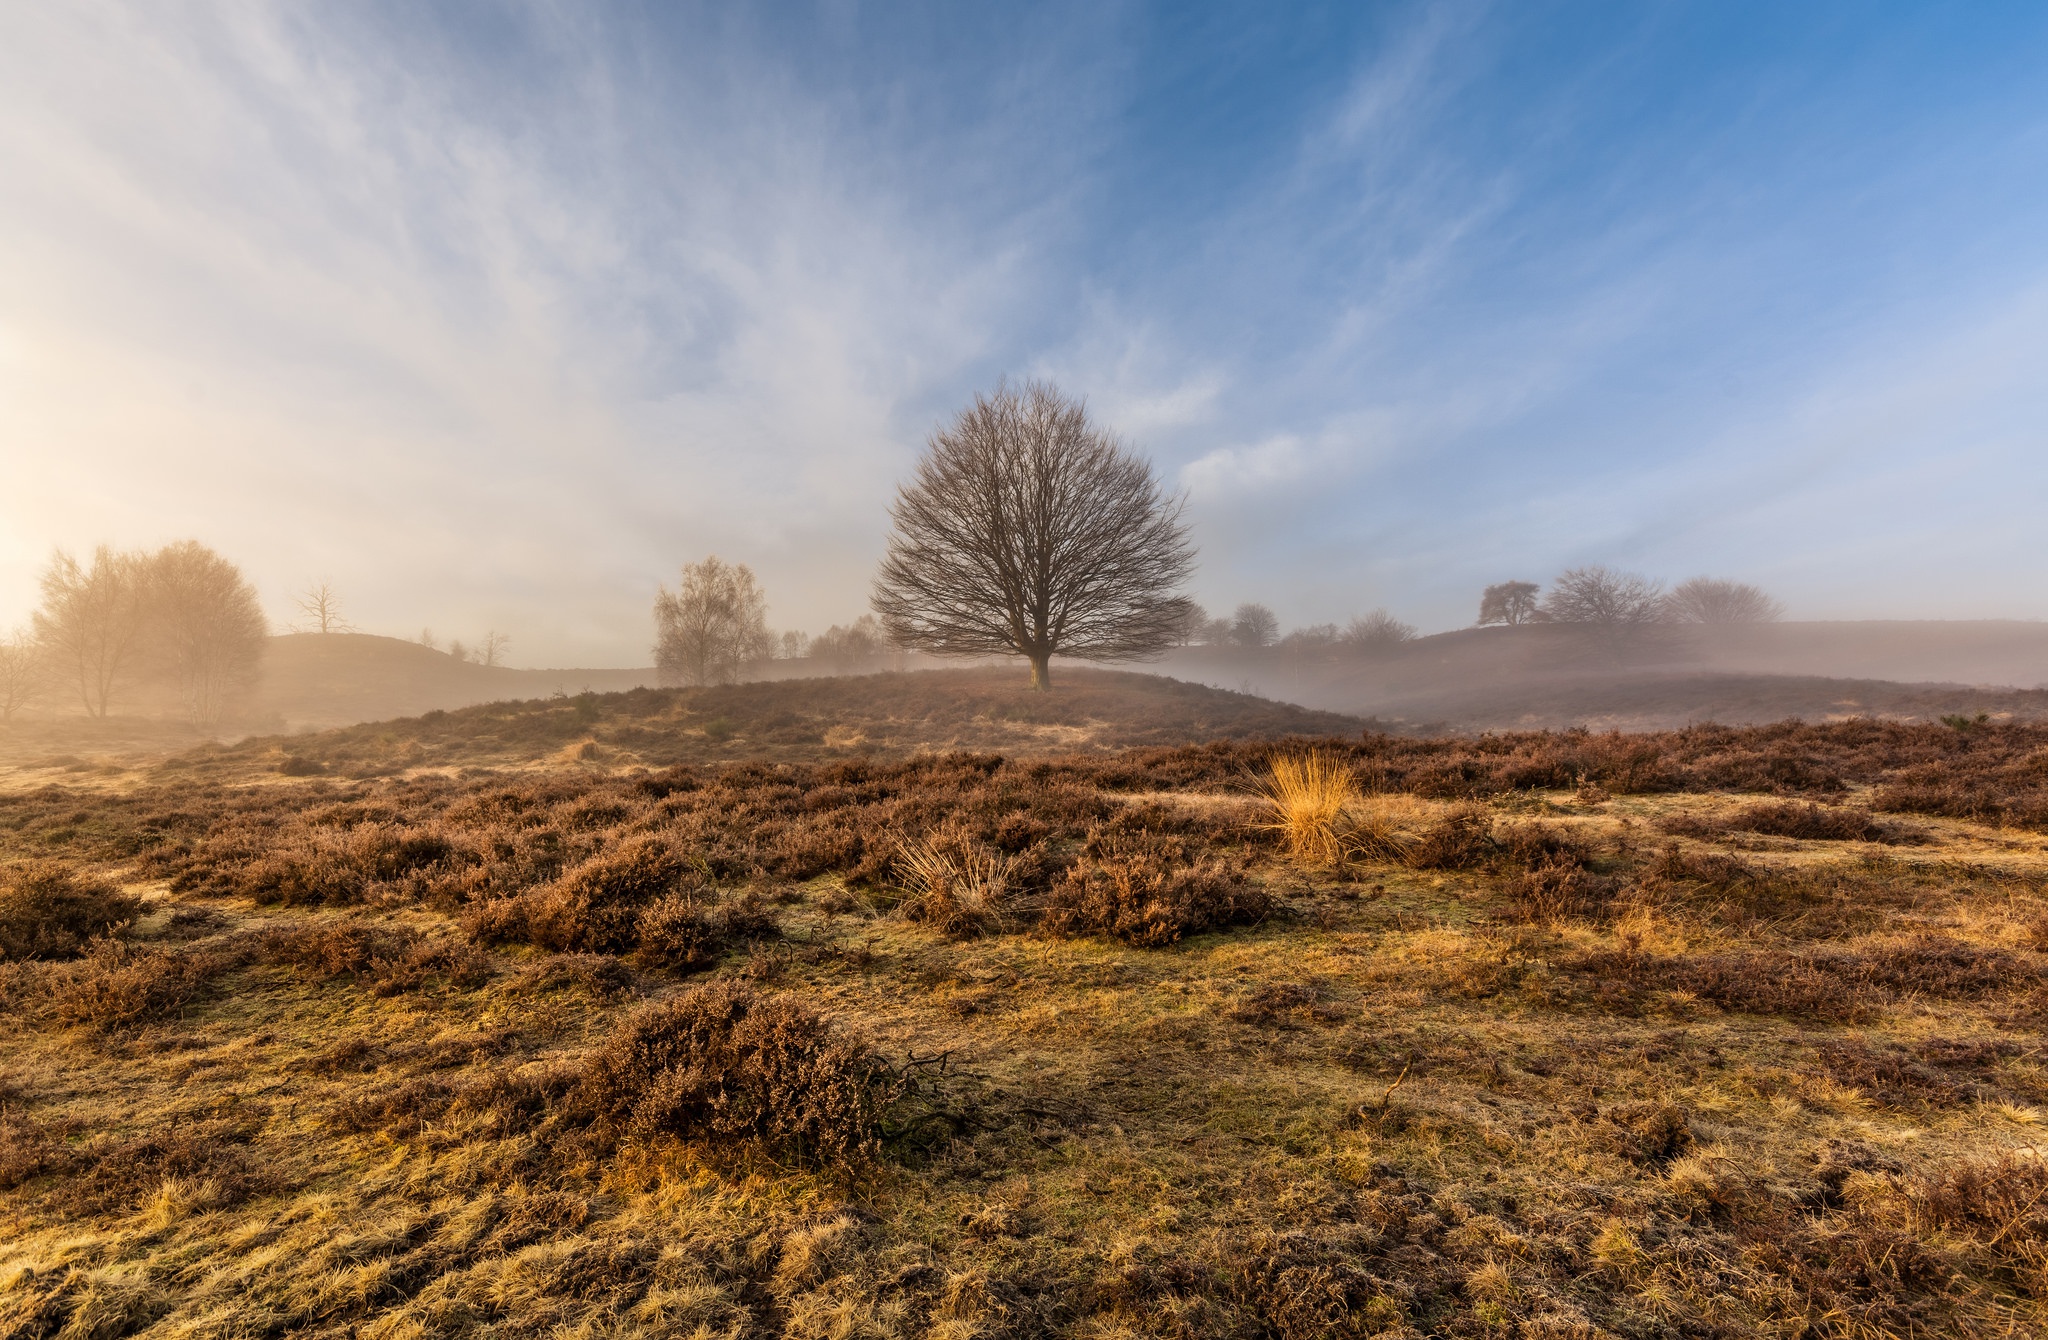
(784, 1011)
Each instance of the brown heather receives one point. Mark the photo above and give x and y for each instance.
(1686, 1035)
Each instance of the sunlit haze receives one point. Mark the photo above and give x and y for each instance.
(495, 315)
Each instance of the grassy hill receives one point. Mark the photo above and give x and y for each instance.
(1718, 1032)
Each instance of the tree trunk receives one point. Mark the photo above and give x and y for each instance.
(1041, 672)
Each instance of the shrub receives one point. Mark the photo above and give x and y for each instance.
(725, 1063)
(596, 906)
(386, 961)
(115, 986)
(1461, 839)
(1556, 890)
(687, 931)
(48, 911)
(1145, 892)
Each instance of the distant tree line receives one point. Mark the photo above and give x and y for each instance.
(180, 618)
(1614, 599)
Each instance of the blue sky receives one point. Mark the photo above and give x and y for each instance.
(495, 314)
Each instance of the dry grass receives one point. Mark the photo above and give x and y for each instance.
(1309, 798)
(1564, 1059)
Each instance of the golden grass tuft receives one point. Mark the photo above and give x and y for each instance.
(1308, 800)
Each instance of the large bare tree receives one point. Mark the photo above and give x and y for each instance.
(93, 621)
(1028, 531)
(1710, 600)
(206, 628)
(711, 625)
(1597, 595)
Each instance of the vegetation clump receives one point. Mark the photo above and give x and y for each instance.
(730, 1064)
(1146, 891)
(49, 910)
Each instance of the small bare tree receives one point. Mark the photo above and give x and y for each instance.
(322, 609)
(1253, 625)
(426, 639)
(1710, 600)
(792, 644)
(491, 651)
(207, 629)
(92, 622)
(1598, 595)
(1508, 602)
(1191, 628)
(711, 625)
(857, 646)
(24, 673)
(1377, 631)
(1030, 532)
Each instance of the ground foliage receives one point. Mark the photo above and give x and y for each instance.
(1720, 1032)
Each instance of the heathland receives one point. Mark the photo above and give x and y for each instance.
(893, 1008)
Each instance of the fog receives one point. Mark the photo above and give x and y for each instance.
(496, 318)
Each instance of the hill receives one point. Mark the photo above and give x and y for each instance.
(1551, 676)
(884, 715)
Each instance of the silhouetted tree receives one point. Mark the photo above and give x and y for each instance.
(458, 649)
(206, 627)
(491, 651)
(1599, 595)
(92, 622)
(1710, 600)
(1028, 531)
(792, 645)
(1508, 602)
(1311, 637)
(426, 639)
(1253, 625)
(857, 646)
(322, 609)
(711, 625)
(24, 673)
(1377, 631)
(1192, 626)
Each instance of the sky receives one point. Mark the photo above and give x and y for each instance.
(493, 315)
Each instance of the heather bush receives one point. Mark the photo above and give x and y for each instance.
(728, 1064)
(48, 910)
(116, 986)
(1146, 891)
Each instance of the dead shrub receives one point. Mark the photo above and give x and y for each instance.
(1533, 846)
(1937, 965)
(116, 986)
(1889, 1076)
(725, 1063)
(1998, 1207)
(48, 910)
(117, 1173)
(1652, 1132)
(387, 961)
(1460, 840)
(315, 866)
(596, 905)
(1302, 1290)
(1545, 893)
(684, 932)
(1146, 892)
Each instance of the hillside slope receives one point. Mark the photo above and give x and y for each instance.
(890, 714)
